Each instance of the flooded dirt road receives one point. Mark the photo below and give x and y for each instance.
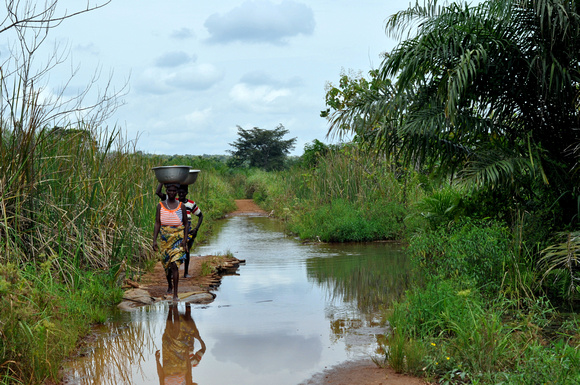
(293, 311)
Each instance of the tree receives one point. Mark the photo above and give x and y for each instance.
(488, 95)
(261, 148)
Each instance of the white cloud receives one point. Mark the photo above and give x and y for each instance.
(199, 117)
(193, 77)
(174, 59)
(197, 77)
(258, 77)
(261, 22)
(258, 98)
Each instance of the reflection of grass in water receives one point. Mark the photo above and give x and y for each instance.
(116, 352)
(368, 281)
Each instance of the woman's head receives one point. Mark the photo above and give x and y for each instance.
(171, 190)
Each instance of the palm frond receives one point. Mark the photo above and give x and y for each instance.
(495, 167)
(564, 256)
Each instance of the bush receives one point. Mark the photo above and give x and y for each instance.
(472, 250)
(343, 221)
(433, 311)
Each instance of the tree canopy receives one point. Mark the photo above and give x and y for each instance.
(261, 148)
(488, 95)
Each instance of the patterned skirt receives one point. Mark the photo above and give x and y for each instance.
(170, 245)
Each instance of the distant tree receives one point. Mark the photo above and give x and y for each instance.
(261, 148)
(314, 151)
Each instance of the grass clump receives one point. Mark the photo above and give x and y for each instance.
(42, 318)
(344, 221)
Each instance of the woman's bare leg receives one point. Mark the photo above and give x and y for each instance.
(175, 276)
(169, 276)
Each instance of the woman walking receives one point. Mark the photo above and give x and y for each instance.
(172, 224)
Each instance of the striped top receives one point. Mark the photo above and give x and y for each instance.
(171, 217)
(191, 208)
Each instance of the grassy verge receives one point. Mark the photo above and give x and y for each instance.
(467, 322)
(42, 318)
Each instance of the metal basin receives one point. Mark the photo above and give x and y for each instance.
(192, 177)
(171, 174)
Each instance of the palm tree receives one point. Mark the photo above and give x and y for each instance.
(488, 95)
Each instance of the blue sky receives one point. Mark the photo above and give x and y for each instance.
(197, 69)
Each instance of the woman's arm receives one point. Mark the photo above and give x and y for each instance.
(199, 221)
(157, 226)
(185, 226)
(158, 192)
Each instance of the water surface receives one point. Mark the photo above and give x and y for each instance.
(293, 310)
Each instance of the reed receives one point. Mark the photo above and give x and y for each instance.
(70, 192)
(74, 208)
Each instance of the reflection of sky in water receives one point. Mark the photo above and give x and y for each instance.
(269, 325)
(254, 352)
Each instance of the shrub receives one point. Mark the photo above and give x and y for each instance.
(472, 250)
(344, 221)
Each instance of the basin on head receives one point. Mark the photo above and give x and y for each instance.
(171, 174)
(192, 177)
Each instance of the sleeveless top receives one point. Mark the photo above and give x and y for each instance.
(171, 217)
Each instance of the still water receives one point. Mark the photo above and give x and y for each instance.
(293, 310)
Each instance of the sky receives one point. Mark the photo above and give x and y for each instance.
(195, 70)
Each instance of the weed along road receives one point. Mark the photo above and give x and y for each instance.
(292, 311)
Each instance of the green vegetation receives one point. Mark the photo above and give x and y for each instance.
(484, 100)
(348, 196)
(469, 156)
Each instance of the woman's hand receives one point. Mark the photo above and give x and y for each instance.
(184, 244)
(155, 245)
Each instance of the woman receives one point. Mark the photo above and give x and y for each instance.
(171, 221)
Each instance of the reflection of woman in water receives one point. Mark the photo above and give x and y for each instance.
(178, 345)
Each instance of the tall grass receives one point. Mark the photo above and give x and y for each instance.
(347, 196)
(73, 209)
(77, 206)
(71, 193)
(469, 317)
